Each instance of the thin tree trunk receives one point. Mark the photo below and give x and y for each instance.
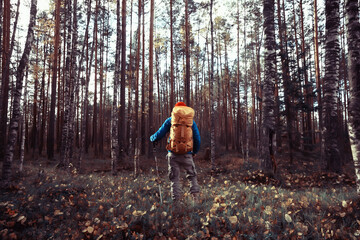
(84, 115)
(143, 113)
(151, 73)
(22, 142)
(187, 54)
(51, 130)
(123, 80)
(317, 73)
(211, 89)
(114, 114)
(308, 128)
(95, 115)
(171, 56)
(16, 108)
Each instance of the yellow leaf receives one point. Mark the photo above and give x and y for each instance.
(58, 212)
(123, 226)
(288, 218)
(268, 210)
(90, 229)
(138, 213)
(344, 204)
(233, 219)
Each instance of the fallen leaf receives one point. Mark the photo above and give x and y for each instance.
(233, 219)
(90, 229)
(58, 212)
(288, 218)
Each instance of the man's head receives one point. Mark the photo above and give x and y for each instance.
(178, 104)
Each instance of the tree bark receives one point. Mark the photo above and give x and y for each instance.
(353, 36)
(5, 77)
(16, 108)
(211, 89)
(331, 81)
(114, 113)
(51, 130)
(171, 56)
(268, 120)
(151, 74)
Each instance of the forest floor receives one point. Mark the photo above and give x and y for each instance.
(238, 202)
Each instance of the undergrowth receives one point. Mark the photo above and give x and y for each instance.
(47, 203)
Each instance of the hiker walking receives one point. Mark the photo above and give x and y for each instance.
(183, 144)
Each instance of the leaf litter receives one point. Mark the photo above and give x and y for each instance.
(243, 203)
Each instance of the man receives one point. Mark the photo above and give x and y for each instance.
(183, 144)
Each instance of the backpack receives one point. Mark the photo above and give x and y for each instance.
(181, 135)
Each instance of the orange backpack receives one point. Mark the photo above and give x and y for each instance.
(181, 135)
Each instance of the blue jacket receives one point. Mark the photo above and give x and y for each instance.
(165, 128)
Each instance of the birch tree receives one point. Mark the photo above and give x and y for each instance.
(16, 108)
(268, 119)
(353, 35)
(114, 112)
(330, 88)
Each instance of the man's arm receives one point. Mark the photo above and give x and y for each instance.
(165, 128)
(196, 138)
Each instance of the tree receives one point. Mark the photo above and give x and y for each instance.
(151, 71)
(353, 35)
(114, 113)
(5, 76)
(51, 130)
(330, 88)
(211, 90)
(268, 120)
(187, 54)
(171, 56)
(123, 80)
(16, 108)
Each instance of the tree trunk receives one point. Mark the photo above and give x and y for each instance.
(331, 81)
(286, 81)
(64, 153)
(211, 89)
(187, 54)
(317, 72)
(22, 121)
(5, 77)
(171, 57)
(268, 120)
(151, 73)
(16, 108)
(307, 87)
(95, 115)
(114, 114)
(51, 130)
(353, 36)
(143, 113)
